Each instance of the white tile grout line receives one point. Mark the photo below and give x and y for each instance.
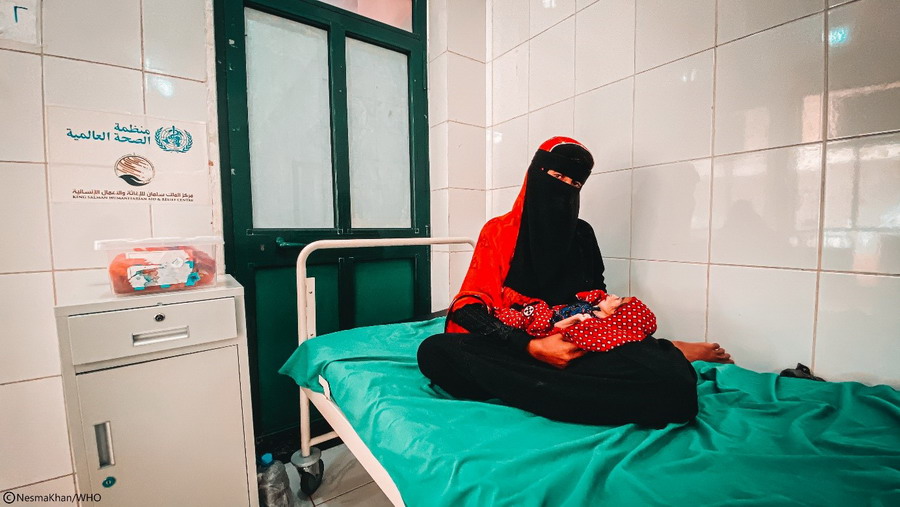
(144, 98)
(46, 143)
(823, 167)
(105, 64)
(712, 166)
(35, 379)
(40, 482)
(372, 481)
(631, 175)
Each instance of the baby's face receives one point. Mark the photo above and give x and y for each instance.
(609, 305)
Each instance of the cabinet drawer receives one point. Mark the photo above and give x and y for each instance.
(102, 336)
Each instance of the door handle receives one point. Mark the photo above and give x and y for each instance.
(105, 455)
(282, 243)
(151, 337)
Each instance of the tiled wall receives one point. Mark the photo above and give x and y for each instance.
(124, 56)
(456, 101)
(747, 178)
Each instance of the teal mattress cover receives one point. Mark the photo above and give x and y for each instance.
(759, 439)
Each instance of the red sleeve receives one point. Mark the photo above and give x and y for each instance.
(535, 319)
(591, 296)
(540, 324)
(600, 335)
(512, 318)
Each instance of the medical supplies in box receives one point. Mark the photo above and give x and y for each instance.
(142, 266)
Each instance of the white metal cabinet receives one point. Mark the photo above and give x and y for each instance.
(158, 398)
(173, 432)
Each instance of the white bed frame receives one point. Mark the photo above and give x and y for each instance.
(309, 456)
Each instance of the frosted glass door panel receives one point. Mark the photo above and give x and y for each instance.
(378, 103)
(289, 123)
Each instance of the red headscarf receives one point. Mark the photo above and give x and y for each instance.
(493, 252)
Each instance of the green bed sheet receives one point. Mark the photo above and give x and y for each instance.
(759, 439)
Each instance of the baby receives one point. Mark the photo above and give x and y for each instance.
(597, 321)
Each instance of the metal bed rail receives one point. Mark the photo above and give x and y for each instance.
(306, 329)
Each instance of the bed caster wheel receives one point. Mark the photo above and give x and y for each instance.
(311, 477)
(311, 469)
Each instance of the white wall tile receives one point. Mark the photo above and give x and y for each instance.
(862, 217)
(81, 286)
(510, 81)
(673, 111)
(440, 215)
(466, 29)
(551, 75)
(437, 141)
(92, 86)
(762, 317)
(21, 113)
(669, 30)
(440, 280)
(459, 265)
(489, 94)
(106, 31)
(604, 44)
(671, 212)
(60, 486)
(23, 219)
(172, 220)
(546, 13)
(75, 227)
(606, 205)
(676, 293)
(510, 152)
(173, 98)
(28, 340)
(552, 121)
(616, 275)
(437, 90)
(765, 207)
(502, 200)
(466, 212)
(33, 439)
(603, 123)
(510, 25)
(175, 37)
(581, 4)
(738, 18)
(856, 335)
(437, 28)
(769, 88)
(465, 85)
(465, 156)
(863, 68)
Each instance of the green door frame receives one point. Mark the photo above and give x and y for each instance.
(248, 249)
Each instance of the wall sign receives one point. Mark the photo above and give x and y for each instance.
(19, 21)
(96, 156)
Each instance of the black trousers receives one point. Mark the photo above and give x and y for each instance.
(649, 382)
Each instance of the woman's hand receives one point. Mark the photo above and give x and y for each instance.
(554, 351)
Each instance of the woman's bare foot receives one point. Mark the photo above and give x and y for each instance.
(702, 351)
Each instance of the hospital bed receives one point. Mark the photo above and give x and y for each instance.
(759, 439)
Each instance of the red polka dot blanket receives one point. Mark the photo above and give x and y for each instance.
(632, 321)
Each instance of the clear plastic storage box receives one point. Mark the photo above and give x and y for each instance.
(141, 266)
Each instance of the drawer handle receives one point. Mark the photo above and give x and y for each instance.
(105, 455)
(166, 335)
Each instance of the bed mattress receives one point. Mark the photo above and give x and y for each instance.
(759, 439)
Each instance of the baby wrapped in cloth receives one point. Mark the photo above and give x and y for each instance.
(598, 322)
